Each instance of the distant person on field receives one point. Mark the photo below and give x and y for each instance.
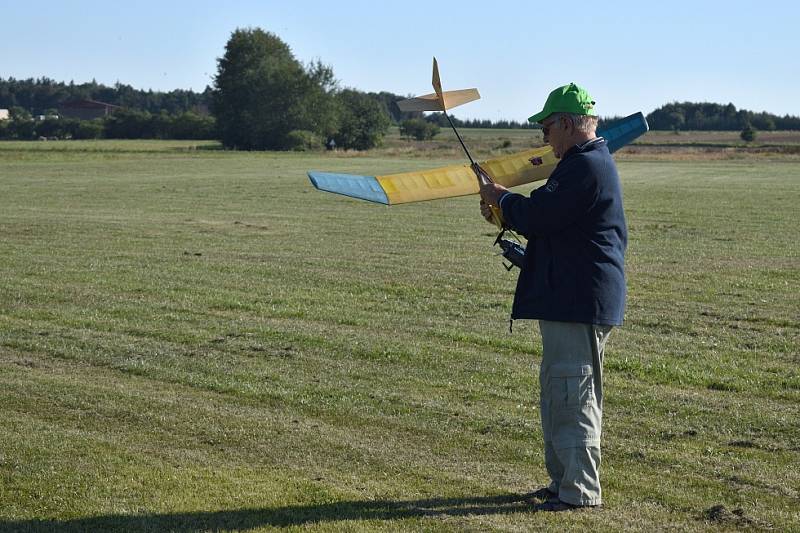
(573, 281)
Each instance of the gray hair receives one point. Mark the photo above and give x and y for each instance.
(582, 123)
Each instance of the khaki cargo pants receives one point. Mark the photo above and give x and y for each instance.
(571, 380)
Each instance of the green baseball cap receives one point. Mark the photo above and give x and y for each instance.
(567, 99)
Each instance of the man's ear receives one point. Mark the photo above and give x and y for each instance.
(570, 127)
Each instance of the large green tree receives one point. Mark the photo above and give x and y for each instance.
(362, 120)
(262, 93)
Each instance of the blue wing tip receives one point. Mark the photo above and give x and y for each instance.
(624, 131)
(313, 175)
(354, 186)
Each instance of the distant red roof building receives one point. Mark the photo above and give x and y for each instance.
(86, 109)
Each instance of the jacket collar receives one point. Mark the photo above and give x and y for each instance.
(584, 147)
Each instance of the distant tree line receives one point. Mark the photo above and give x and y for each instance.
(41, 96)
(123, 124)
(717, 117)
(441, 120)
(145, 114)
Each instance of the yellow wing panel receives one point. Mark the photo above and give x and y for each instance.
(517, 169)
(459, 180)
(444, 182)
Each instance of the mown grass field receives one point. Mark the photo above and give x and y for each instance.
(193, 339)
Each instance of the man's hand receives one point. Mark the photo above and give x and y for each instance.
(486, 212)
(490, 196)
(491, 192)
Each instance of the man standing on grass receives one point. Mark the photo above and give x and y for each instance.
(573, 281)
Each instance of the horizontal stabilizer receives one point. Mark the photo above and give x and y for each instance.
(428, 102)
(456, 98)
(432, 102)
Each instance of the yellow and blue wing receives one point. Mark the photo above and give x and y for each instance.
(459, 180)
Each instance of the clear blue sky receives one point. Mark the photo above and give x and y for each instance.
(632, 56)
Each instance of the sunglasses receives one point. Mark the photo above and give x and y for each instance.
(546, 127)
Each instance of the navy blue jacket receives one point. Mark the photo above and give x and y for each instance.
(574, 268)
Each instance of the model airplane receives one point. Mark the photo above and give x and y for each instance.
(459, 180)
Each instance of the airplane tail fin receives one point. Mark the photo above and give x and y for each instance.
(439, 100)
(435, 80)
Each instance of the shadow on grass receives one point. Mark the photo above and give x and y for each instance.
(296, 515)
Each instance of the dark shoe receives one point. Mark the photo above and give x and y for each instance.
(543, 494)
(558, 506)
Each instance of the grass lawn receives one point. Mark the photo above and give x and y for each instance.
(193, 339)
